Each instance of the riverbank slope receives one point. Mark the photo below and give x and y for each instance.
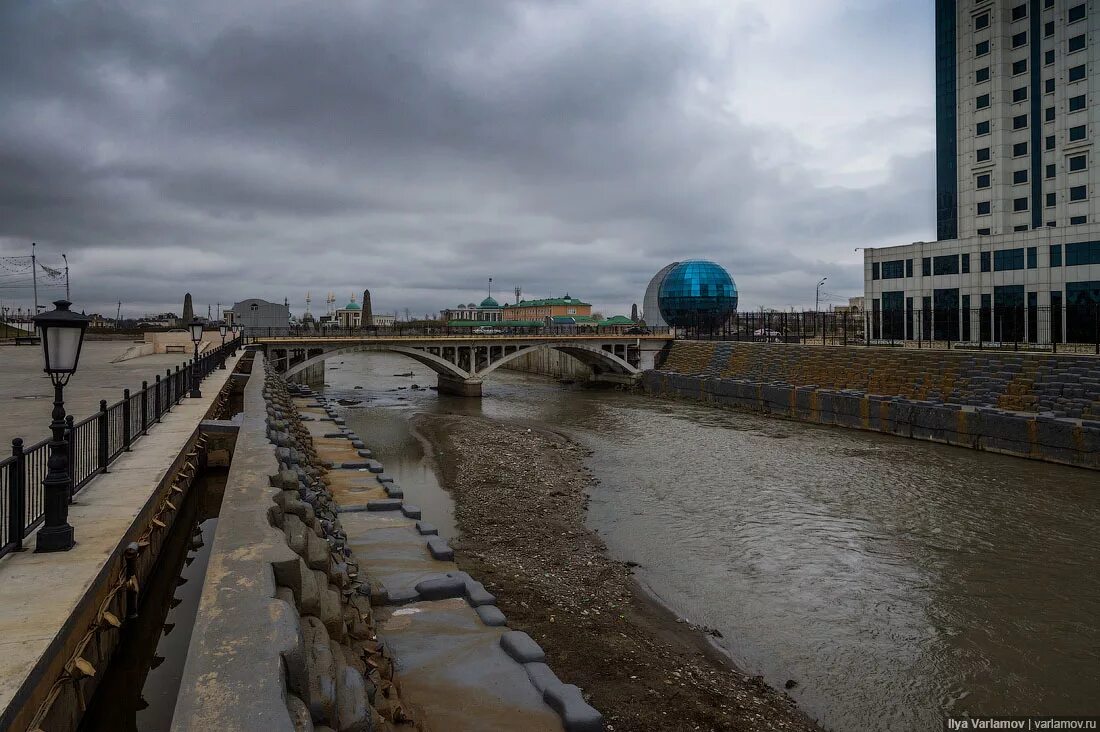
(520, 504)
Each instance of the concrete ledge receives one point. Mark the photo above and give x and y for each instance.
(233, 677)
(522, 647)
(439, 549)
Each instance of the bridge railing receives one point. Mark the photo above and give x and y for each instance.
(94, 443)
(450, 331)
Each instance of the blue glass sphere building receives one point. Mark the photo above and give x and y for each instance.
(696, 293)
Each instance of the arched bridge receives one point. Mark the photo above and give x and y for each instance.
(462, 362)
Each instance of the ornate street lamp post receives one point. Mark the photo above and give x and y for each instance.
(223, 329)
(62, 335)
(196, 336)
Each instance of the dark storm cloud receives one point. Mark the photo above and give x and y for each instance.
(416, 148)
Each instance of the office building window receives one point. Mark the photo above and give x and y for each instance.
(983, 208)
(1019, 39)
(946, 265)
(966, 264)
(1019, 122)
(1077, 220)
(982, 101)
(1048, 57)
(1048, 4)
(1051, 142)
(893, 270)
(1032, 257)
(1019, 149)
(1076, 104)
(925, 266)
(981, 21)
(1019, 12)
(874, 270)
(1019, 95)
(1085, 252)
(982, 128)
(1008, 259)
(981, 49)
(1019, 176)
(1048, 29)
(1078, 193)
(1077, 43)
(1052, 224)
(1020, 227)
(1052, 199)
(981, 75)
(1019, 67)
(983, 232)
(1052, 170)
(1078, 162)
(1055, 255)
(983, 181)
(1076, 13)
(908, 267)
(1077, 73)
(1048, 114)
(1019, 204)
(1048, 86)
(982, 154)
(985, 261)
(1080, 132)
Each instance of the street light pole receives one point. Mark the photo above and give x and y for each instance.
(223, 328)
(817, 302)
(196, 336)
(62, 335)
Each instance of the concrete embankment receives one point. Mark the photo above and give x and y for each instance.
(62, 614)
(1038, 407)
(357, 598)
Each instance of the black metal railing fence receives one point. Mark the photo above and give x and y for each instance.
(1068, 329)
(94, 443)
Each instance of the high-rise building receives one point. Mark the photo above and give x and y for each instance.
(1017, 189)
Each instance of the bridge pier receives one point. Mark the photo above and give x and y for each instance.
(455, 386)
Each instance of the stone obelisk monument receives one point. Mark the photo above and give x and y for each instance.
(368, 318)
(188, 310)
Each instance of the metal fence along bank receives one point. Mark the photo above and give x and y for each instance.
(93, 443)
(1068, 329)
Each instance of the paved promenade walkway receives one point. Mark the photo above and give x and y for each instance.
(40, 592)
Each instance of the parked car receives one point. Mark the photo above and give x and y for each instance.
(638, 330)
(487, 330)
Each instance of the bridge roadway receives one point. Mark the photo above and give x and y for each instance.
(463, 362)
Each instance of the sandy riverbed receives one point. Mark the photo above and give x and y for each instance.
(520, 506)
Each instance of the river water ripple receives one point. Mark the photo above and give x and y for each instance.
(895, 581)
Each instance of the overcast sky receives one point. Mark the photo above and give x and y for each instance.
(266, 149)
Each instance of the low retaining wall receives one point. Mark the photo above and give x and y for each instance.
(284, 636)
(1023, 434)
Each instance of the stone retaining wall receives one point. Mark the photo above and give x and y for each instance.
(1037, 436)
(284, 637)
(1058, 385)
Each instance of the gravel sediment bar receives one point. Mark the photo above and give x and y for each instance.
(520, 506)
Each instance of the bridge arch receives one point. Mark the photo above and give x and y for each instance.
(592, 356)
(432, 361)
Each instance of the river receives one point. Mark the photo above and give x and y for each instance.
(894, 581)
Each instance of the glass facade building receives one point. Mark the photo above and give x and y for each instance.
(697, 293)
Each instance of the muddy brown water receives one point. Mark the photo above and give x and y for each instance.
(895, 581)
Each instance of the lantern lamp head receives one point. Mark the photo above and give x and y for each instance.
(223, 329)
(196, 330)
(62, 335)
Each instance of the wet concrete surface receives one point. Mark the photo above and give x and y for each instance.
(451, 668)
